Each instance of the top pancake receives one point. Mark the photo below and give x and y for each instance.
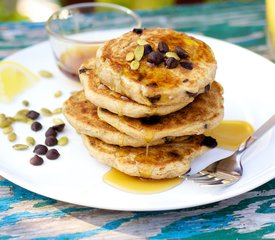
(103, 97)
(156, 84)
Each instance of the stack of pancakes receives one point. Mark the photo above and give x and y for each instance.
(148, 97)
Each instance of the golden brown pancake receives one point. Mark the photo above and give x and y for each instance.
(101, 96)
(205, 112)
(153, 84)
(82, 115)
(163, 161)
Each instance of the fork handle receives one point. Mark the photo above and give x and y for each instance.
(257, 134)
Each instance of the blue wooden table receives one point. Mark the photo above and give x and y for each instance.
(26, 215)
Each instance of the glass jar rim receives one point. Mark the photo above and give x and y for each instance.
(84, 5)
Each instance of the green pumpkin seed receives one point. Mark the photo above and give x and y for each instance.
(12, 137)
(63, 141)
(130, 56)
(7, 130)
(25, 103)
(30, 141)
(134, 65)
(173, 55)
(2, 117)
(57, 94)
(57, 111)
(22, 118)
(20, 147)
(46, 112)
(45, 74)
(58, 121)
(142, 42)
(139, 51)
(5, 123)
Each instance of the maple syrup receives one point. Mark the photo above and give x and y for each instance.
(71, 59)
(128, 183)
(229, 135)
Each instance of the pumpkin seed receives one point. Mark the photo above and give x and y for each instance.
(58, 121)
(173, 55)
(142, 42)
(12, 137)
(63, 141)
(45, 74)
(130, 56)
(20, 147)
(5, 123)
(134, 65)
(57, 111)
(46, 112)
(7, 130)
(25, 103)
(2, 116)
(30, 141)
(139, 51)
(57, 94)
(21, 116)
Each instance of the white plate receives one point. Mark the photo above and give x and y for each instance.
(249, 84)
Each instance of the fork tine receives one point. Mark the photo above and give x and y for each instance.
(198, 175)
(204, 180)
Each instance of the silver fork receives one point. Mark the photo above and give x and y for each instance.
(229, 170)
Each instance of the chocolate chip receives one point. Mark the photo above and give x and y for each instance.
(181, 52)
(147, 49)
(205, 126)
(51, 132)
(185, 80)
(152, 84)
(207, 88)
(154, 99)
(82, 70)
(168, 140)
(140, 76)
(209, 142)
(174, 154)
(191, 94)
(150, 120)
(59, 127)
(187, 65)
(155, 58)
(51, 141)
(40, 149)
(36, 126)
(52, 154)
(138, 30)
(171, 63)
(163, 47)
(36, 160)
(33, 115)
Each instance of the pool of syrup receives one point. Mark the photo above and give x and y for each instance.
(229, 135)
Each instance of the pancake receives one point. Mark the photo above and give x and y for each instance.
(82, 115)
(163, 161)
(204, 113)
(103, 97)
(153, 84)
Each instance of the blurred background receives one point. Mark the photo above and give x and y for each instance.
(40, 10)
